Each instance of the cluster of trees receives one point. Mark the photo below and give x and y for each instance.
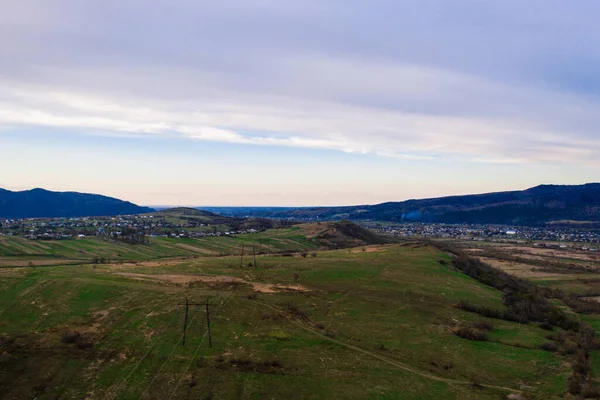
(131, 236)
(526, 302)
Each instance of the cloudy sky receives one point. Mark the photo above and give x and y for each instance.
(307, 102)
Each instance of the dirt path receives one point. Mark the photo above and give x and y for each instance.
(385, 359)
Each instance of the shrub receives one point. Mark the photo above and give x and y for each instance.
(191, 381)
(574, 383)
(330, 333)
(313, 254)
(84, 345)
(592, 393)
(546, 326)
(570, 347)
(581, 364)
(70, 337)
(483, 326)
(295, 311)
(549, 346)
(471, 333)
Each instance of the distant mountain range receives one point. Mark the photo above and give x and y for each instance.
(534, 207)
(44, 203)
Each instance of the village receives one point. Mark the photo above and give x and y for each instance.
(541, 236)
(149, 225)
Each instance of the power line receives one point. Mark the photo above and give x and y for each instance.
(143, 358)
(165, 363)
(198, 348)
(187, 304)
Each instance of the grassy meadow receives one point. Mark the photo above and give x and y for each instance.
(18, 251)
(374, 322)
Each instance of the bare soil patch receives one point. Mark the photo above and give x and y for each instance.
(151, 264)
(554, 253)
(196, 249)
(368, 249)
(595, 298)
(187, 279)
(522, 270)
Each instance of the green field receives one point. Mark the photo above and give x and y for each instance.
(18, 251)
(356, 323)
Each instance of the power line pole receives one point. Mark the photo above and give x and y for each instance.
(208, 323)
(207, 306)
(187, 306)
(242, 257)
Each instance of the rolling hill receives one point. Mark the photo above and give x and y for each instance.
(536, 206)
(39, 203)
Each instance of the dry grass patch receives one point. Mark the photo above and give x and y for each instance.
(216, 279)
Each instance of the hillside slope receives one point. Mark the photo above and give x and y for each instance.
(535, 206)
(377, 324)
(43, 203)
(338, 235)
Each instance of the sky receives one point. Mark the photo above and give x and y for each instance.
(297, 103)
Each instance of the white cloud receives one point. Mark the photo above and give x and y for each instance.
(324, 75)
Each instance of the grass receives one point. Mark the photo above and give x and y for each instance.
(375, 325)
(17, 251)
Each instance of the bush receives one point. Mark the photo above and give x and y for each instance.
(549, 346)
(592, 393)
(574, 383)
(70, 337)
(84, 345)
(546, 326)
(296, 312)
(313, 254)
(471, 333)
(581, 364)
(483, 326)
(330, 333)
(570, 348)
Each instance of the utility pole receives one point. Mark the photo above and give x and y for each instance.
(254, 254)
(185, 321)
(208, 323)
(242, 257)
(207, 306)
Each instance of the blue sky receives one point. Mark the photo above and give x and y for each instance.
(312, 102)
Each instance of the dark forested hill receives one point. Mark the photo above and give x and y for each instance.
(535, 206)
(44, 203)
